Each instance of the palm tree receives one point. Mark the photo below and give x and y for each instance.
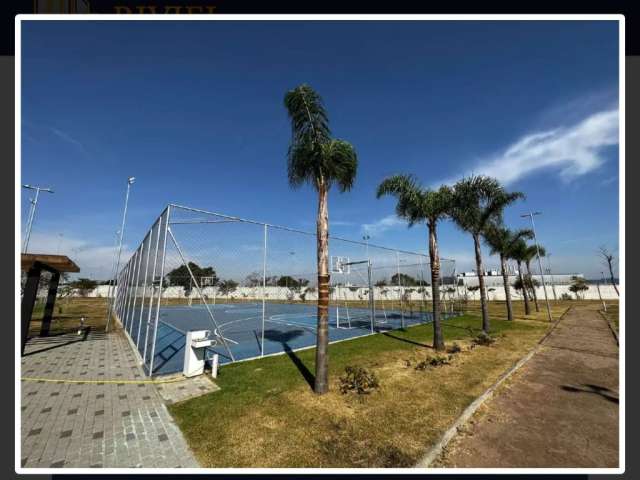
(478, 200)
(314, 157)
(501, 240)
(518, 252)
(417, 205)
(531, 253)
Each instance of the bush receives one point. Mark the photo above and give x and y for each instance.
(565, 296)
(358, 379)
(455, 348)
(435, 361)
(483, 339)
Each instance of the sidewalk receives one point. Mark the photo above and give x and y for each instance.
(116, 423)
(559, 410)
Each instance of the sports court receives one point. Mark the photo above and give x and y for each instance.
(253, 287)
(287, 327)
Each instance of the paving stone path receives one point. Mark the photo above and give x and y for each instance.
(559, 410)
(105, 419)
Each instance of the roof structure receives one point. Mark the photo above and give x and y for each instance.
(60, 263)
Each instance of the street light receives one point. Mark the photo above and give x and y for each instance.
(553, 282)
(366, 239)
(32, 211)
(130, 182)
(535, 239)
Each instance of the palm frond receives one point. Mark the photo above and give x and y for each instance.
(309, 120)
(340, 163)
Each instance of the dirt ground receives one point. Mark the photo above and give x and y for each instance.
(559, 410)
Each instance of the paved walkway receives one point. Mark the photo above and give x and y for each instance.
(107, 421)
(560, 410)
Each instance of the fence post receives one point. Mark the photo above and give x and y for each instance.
(264, 286)
(155, 323)
(153, 279)
(144, 289)
(371, 304)
(400, 287)
(135, 290)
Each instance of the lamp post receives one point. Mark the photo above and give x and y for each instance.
(32, 211)
(535, 239)
(553, 282)
(366, 239)
(130, 182)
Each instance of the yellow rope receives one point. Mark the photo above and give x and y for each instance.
(60, 380)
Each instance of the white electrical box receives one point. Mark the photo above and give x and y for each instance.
(197, 341)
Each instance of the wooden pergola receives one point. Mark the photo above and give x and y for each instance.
(34, 264)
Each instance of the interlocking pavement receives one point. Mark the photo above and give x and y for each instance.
(93, 414)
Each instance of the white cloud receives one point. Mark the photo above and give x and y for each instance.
(95, 261)
(572, 151)
(387, 223)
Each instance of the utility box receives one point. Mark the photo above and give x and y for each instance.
(197, 342)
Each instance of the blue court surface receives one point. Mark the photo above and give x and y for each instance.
(286, 327)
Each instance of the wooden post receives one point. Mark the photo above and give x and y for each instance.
(29, 299)
(51, 300)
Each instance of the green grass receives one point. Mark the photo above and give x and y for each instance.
(266, 414)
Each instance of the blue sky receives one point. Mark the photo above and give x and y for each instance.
(195, 111)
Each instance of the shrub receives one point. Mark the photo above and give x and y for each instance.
(435, 361)
(483, 339)
(358, 379)
(565, 296)
(455, 348)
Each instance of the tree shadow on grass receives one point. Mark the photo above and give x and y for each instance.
(283, 338)
(406, 340)
(604, 392)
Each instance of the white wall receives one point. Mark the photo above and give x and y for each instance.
(392, 293)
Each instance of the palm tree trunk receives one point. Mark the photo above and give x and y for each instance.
(525, 295)
(483, 293)
(533, 286)
(322, 341)
(507, 288)
(434, 257)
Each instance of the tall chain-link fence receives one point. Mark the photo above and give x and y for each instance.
(254, 287)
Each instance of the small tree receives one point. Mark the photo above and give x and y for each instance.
(405, 280)
(254, 279)
(578, 284)
(84, 286)
(181, 277)
(227, 286)
(609, 261)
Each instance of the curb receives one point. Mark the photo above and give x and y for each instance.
(611, 327)
(435, 451)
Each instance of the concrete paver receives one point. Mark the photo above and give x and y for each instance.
(94, 423)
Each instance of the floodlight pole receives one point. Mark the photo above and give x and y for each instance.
(32, 211)
(535, 239)
(553, 282)
(366, 239)
(130, 182)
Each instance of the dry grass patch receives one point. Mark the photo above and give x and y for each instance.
(271, 418)
(68, 312)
